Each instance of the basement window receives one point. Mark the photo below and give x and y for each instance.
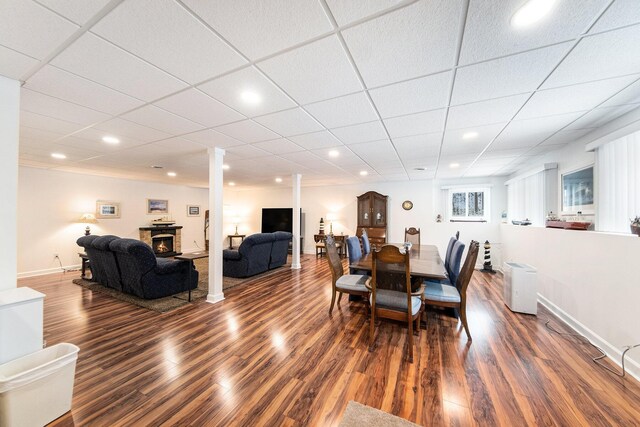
(469, 204)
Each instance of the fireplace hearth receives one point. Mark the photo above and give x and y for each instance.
(164, 240)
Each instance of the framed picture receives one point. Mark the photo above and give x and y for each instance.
(157, 206)
(193, 210)
(107, 210)
(577, 191)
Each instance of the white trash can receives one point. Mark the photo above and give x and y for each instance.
(37, 388)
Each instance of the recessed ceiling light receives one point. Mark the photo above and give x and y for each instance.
(420, 168)
(334, 153)
(364, 173)
(250, 97)
(469, 135)
(232, 183)
(278, 179)
(172, 174)
(454, 165)
(110, 140)
(531, 12)
(58, 156)
(225, 167)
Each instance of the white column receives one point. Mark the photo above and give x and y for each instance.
(9, 124)
(295, 244)
(216, 156)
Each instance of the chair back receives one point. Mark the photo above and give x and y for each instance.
(447, 258)
(412, 235)
(353, 247)
(456, 259)
(366, 245)
(383, 279)
(335, 264)
(467, 269)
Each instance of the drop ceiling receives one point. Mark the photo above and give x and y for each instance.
(391, 85)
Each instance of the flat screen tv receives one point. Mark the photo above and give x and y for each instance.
(278, 219)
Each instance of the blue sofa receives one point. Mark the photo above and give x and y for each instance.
(257, 253)
(130, 266)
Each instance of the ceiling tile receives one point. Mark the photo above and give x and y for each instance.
(166, 35)
(455, 142)
(314, 72)
(14, 64)
(125, 128)
(413, 96)
(31, 29)
(580, 97)
(376, 151)
(566, 136)
(212, 138)
(600, 116)
(316, 140)
(200, 108)
(76, 11)
(100, 61)
(247, 131)
(510, 75)
(264, 28)
(59, 109)
(64, 85)
(278, 146)
(245, 152)
(423, 41)
(162, 120)
(485, 112)
(601, 56)
(92, 138)
(619, 14)
(178, 146)
(530, 132)
(489, 33)
(343, 111)
(629, 95)
(345, 159)
(418, 147)
(346, 12)
(229, 89)
(38, 121)
(290, 122)
(416, 124)
(34, 134)
(372, 131)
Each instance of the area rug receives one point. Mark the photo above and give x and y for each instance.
(358, 415)
(162, 305)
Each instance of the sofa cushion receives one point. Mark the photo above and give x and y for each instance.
(231, 254)
(168, 266)
(395, 300)
(352, 282)
(442, 293)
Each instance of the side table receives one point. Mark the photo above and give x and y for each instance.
(191, 257)
(235, 236)
(85, 263)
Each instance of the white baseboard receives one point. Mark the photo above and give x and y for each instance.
(47, 271)
(214, 298)
(613, 353)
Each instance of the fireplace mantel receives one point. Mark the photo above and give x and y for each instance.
(165, 240)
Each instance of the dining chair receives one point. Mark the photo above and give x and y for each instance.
(366, 245)
(355, 253)
(393, 299)
(437, 294)
(412, 235)
(352, 284)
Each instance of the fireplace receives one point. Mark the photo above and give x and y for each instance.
(163, 239)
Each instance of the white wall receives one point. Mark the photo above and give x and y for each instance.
(50, 201)
(9, 120)
(317, 202)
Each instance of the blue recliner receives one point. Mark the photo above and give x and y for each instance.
(97, 269)
(252, 257)
(144, 275)
(279, 249)
(107, 262)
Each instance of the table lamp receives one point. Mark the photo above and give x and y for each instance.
(87, 218)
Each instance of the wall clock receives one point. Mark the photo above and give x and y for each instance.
(407, 205)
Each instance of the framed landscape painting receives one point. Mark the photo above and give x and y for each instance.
(577, 192)
(107, 210)
(157, 206)
(193, 210)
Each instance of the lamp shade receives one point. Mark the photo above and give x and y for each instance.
(87, 218)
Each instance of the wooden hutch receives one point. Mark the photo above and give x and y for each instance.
(372, 217)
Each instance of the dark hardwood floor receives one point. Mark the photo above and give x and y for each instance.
(270, 354)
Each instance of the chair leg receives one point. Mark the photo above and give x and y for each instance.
(410, 340)
(339, 298)
(371, 329)
(463, 318)
(333, 300)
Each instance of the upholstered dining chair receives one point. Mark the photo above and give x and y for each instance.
(352, 284)
(393, 299)
(355, 253)
(412, 235)
(442, 295)
(366, 245)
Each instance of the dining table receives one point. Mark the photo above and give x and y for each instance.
(424, 263)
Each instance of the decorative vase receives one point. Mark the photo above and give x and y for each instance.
(635, 229)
